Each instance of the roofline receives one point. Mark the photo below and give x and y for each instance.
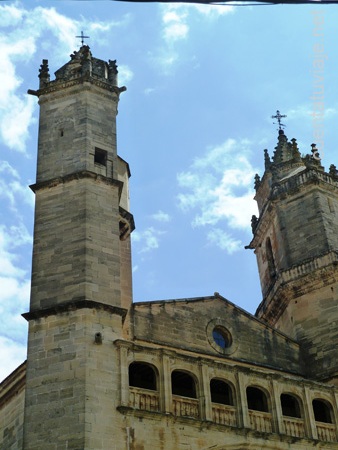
(220, 297)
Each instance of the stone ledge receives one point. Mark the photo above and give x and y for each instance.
(76, 176)
(72, 306)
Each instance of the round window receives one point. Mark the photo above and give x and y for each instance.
(222, 337)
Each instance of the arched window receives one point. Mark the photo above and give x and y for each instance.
(142, 375)
(221, 392)
(183, 384)
(270, 258)
(322, 411)
(257, 399)
(290, 406)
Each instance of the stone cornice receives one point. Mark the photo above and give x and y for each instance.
(73, 305)
(76, 176)
(58, 85)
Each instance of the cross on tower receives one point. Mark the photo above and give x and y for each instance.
(279, 116)
(82, 37)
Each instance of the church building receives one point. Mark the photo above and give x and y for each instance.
(104, 373)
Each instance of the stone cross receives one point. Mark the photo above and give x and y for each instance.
(82, 37)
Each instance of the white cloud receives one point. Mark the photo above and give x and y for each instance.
(174, 19)
(12, 189)
(147, 239)
(56, 33)
(14, 297)
(219, 188)
(161, 216)
(224, 240)
(10, 15)
(125, 75)
(149, 91)
(11, 238)
(12, 355)
(177, 19)
(214, 11)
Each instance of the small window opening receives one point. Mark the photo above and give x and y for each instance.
(322, 411)
(222, 337)
(61, 133)
(290, 406)
(142, 375)
(221, 392)
(256, 399)
(100, 157)
(183, 384)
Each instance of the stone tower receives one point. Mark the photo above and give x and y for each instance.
(295, 240)
(81, 276)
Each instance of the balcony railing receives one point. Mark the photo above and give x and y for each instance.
(184, 406)
(260, 421)
(144, 399)
(147, 400)
(326, 432)
(294, 427)
(224, 414)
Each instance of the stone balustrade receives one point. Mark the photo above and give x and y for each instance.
(260, 421)
(183, 406)
(326, 431)
(294, 427)
(224, 414)
(144, 399)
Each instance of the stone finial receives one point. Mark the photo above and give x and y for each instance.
(112, 72)
(86, 60)
(44, 73)
(315, 152)
(333, 171)
(254, 223)
(295, 151)
(267, 160)
(281, 149)
(257, 181)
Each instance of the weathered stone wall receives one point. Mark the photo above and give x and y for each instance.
(157, 419)
(12, 397)
(189, 325)
(72, 381)
(73, 122)
(312, 319)
(76, 244)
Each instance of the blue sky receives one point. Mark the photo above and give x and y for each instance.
(203, 82)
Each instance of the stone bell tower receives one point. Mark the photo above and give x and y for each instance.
(295, 240)
(81, 275)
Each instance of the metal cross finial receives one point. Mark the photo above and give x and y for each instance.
(82, 37)
(279, 116)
